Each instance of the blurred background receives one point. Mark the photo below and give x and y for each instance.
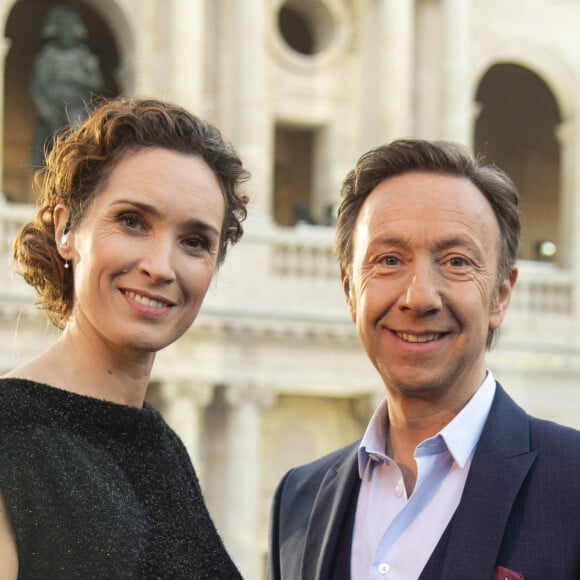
(271, 374)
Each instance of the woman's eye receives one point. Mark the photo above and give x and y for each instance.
(197, 243)
(131, 221)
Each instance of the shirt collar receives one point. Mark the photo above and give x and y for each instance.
(374, 441)
(460, 435)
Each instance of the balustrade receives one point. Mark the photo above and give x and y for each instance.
(301, 263)
(544, 289)
(12, 288)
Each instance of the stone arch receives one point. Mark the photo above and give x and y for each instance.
(109, 37)
(518, 118)
(559, 78)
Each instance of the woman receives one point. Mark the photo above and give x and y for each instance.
(137, 208)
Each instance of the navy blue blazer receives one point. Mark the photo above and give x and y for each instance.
(520, 508)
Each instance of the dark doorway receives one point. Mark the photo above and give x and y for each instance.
(516, 128)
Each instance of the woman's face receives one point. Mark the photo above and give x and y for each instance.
(145, 250)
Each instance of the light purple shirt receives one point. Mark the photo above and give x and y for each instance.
(394, 536)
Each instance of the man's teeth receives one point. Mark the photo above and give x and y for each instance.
(418, 337)
(148, 302)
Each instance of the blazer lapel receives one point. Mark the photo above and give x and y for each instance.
(337, 490)
(500, 465)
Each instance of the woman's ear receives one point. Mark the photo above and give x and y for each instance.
(61, 220)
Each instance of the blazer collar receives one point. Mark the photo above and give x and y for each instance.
(500, 465)
(338, 488)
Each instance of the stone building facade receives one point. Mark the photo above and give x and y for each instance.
(272, 374)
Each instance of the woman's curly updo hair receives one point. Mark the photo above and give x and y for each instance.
(78, 166)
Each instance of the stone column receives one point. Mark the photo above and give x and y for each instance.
(183, 405)
(247, 120)
(243, 477)
(568, 134)
(456, 88)
(387, 41)
(5, 44)
(187, 43)
(146, 57)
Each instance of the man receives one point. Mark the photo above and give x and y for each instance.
(451, 480)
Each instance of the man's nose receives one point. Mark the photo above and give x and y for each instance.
(422, 293)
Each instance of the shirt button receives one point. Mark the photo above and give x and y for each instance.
(384, 568)
(399, 489)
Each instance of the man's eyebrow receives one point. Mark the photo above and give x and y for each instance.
(457, 241)
(391, 241)
(439, 246)
(152, 210)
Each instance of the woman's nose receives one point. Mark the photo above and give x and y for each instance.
(157, 262)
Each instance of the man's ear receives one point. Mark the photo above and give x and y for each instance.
(348, 293)
(61, 220)
(502, 299)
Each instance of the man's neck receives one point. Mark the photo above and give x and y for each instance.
(413, 420)
(403, 437)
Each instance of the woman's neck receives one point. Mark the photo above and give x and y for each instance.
(91, 368)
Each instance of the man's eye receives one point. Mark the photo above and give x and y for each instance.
(390, 260)
(458, 262)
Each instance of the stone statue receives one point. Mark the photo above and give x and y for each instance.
(65, 75)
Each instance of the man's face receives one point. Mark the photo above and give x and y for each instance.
(423, 289)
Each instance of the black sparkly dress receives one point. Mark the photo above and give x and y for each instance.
(98, 490)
